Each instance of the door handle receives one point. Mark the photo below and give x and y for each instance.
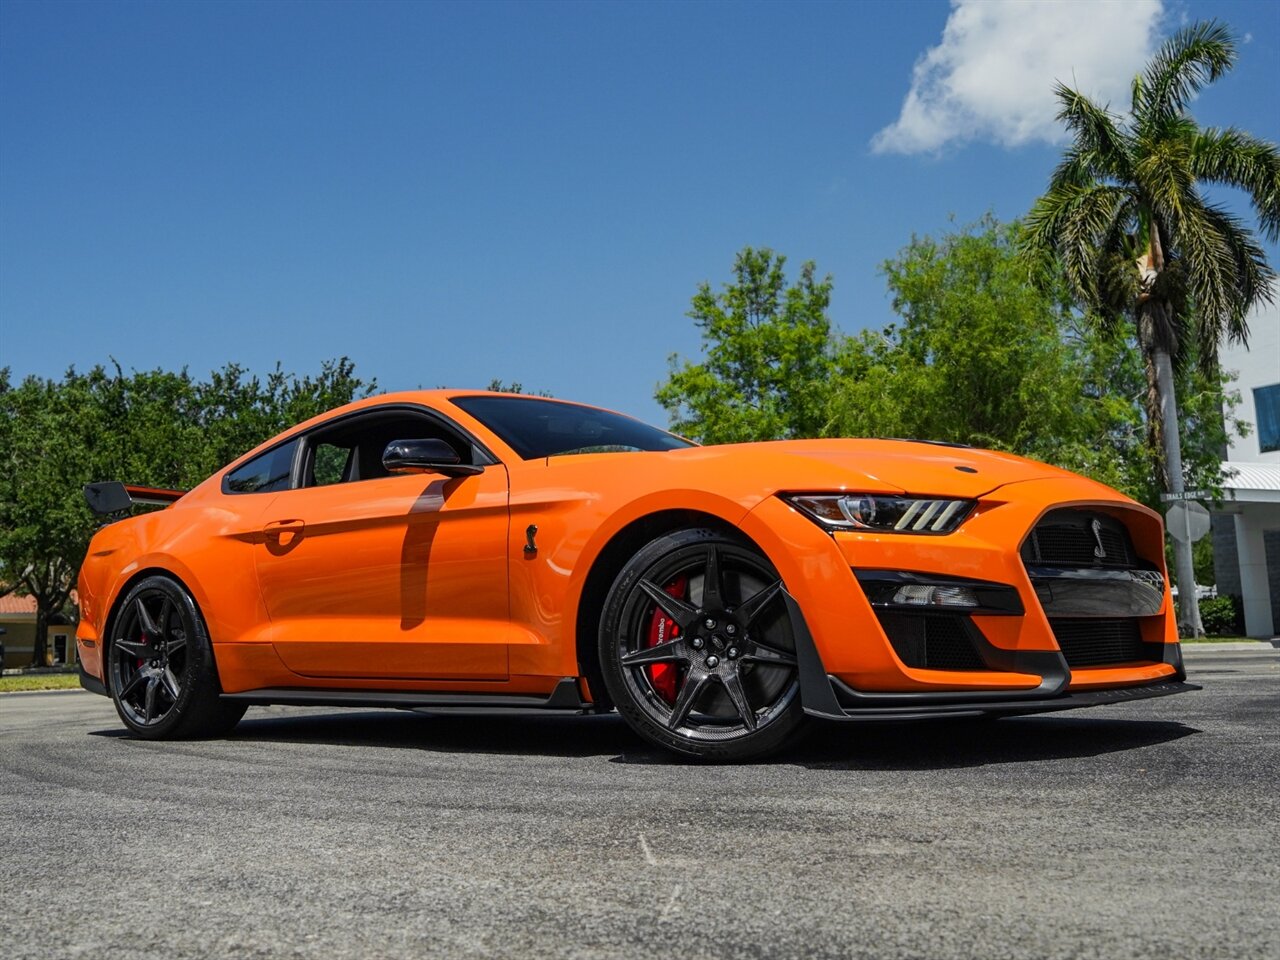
(281, 528)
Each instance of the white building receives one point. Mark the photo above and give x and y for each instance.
(1246, 529)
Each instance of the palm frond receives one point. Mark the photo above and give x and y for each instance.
(1252, 280)
(1210, 262)
(1163, 174)
(1240, 160)
(1098, 135)
(1185, 63)
(1071, 220)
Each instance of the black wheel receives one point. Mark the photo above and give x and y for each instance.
(160, 666)
(697, 649)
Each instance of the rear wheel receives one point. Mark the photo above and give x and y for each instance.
(697, 649)
(160, 663)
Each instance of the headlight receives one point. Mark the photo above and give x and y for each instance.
(857, 511)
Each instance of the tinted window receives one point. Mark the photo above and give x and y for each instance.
(266, 473)
(350, 449)
(536, 428)
(331, 464)
(1266, 401)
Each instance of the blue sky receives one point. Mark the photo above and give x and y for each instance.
(452, 193)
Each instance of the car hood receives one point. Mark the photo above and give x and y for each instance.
(904, 466)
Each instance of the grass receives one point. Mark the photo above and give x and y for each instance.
(40, 681)
(1217, 639)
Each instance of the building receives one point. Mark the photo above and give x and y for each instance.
(1246, 525)
(18, 619)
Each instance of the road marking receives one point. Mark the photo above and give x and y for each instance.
(670, 903)
(648, 854)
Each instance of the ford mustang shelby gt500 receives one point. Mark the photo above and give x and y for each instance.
(455, 550)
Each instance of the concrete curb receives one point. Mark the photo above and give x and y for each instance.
(1235, 646)
(31, 693)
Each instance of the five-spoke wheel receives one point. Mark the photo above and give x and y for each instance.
(160, 665)
(697, 650)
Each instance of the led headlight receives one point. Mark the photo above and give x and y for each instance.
(858, 511)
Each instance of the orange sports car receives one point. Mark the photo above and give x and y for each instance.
(460, 550)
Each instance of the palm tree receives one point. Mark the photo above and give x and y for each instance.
(1139, 242)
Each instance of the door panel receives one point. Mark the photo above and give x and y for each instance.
(402, 577)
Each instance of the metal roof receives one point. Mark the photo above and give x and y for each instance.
(1252, 481)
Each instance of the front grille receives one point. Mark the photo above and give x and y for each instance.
(935, 641)
(1099, 643)
(1079, 538)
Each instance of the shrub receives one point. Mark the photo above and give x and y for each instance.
(1222, 616)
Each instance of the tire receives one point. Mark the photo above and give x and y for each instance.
(160, 666)
(709, 674)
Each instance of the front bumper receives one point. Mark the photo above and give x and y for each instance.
(1030, 637)
(827, 696)
(1008, 708)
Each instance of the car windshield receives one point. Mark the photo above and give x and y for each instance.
(536, 428)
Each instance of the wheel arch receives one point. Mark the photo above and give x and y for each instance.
(122, 591)
(608, 563)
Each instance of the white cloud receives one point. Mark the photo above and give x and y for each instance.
(991, 77)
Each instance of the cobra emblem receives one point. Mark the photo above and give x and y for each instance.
(1099, 551)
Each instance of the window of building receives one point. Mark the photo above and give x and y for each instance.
(1266, 401)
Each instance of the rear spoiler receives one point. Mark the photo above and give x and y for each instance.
(112, 496)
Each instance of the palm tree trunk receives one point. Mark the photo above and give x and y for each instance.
(1189, 624)
(1155, 416)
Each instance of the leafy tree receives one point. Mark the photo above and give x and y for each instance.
(41, 432)
(153, 427)
(515, 386)
(768, 356)
(1139, 242)
(979, 356)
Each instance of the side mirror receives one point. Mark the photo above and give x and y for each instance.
(425, 456)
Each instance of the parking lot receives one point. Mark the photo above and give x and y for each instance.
(1144, 829)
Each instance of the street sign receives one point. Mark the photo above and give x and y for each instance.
(1186, 495)
(1187, 521)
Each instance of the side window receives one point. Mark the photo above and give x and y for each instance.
(330, 465)
(267, 473)
(350, 450)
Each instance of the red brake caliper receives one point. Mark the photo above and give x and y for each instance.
(662, 629)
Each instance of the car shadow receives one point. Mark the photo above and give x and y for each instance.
(913, 745)
(950, 744)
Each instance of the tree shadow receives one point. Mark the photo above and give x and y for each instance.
(911, 745)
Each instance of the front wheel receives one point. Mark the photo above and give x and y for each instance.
(160, 666)
(697, 649)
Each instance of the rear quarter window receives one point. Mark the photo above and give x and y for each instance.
(268, 472)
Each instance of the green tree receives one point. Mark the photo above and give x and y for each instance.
(768, 356)
(515, 386)
(42, 430)
(1139, 242)
(979, 357)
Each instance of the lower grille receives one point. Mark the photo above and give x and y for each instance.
(932, 641)
(1099, 643)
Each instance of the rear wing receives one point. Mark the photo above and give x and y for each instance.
(112, 496)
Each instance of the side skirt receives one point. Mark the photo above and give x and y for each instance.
(563, 699)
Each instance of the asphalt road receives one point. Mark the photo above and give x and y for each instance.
(1148, 829)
